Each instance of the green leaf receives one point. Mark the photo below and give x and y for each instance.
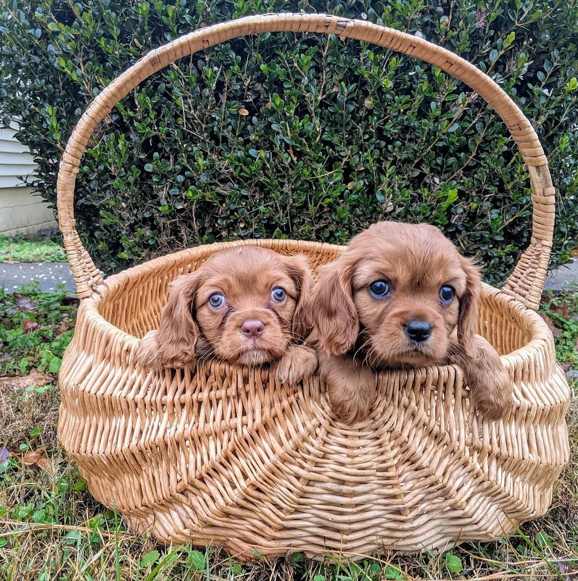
(72, 537)
(374, 569)
(454, 127)
(453, 563)
(392, 572)
(451, 197)
(149, 167)
(509, 39)
(149, 559)
(55, 364)
(39, 515)
(572, 84)
(319, 578)
(237, 569)
(543, 540)
(295, 558)
(494, 56)
(197, 560)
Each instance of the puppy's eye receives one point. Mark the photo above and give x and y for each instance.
(278, 295)
(379, 289)
(217, 301)
(447, 294)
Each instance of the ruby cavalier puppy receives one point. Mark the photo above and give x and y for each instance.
(244, 306)
(401, 296)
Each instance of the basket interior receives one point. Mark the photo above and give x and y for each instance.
(133, 300)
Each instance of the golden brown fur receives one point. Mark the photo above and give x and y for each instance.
(357, 332)
(251, 327)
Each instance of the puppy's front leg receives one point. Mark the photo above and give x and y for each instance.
(491, 385)
(351, 387)
(298, 363)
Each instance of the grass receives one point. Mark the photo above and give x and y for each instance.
(20, 250)
(36, 329)
(52, 530)
(562, 310)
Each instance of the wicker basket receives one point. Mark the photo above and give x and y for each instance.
(225, 455)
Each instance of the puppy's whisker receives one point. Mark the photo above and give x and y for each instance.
(455, 351)
(367, 358)
(361, 348)
(373, 357)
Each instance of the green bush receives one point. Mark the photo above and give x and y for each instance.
(300, 136)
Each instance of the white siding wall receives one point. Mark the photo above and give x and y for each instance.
(20, 211)
(15, 161)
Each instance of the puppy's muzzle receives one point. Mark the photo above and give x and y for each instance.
(418, 331)
(253, 328)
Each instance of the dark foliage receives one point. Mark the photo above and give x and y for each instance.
(299, 136)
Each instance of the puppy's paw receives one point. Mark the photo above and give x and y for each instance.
(147, 353)
(494, 399)
(490, 383)
(299, 363)
(151, 353)
(351, 388)
(351, 410)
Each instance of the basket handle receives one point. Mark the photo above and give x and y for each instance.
(526, 282)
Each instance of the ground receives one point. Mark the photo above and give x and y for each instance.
(22, 250)
(52, 529)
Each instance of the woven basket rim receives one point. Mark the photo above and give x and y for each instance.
(536, 326)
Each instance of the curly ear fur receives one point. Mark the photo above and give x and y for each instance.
(173, 345)
(469, 308)
(298, 270)
(332, 310)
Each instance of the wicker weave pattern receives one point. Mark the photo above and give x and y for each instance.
(219, 454)
(222, 454)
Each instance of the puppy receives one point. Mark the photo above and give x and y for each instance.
(245, 306)
(401, 295)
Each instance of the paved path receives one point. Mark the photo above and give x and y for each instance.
(48, 274)
(51, 274)
(563, 276)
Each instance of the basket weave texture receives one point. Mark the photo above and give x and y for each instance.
(219, 454)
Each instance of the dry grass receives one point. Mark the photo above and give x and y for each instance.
(52, 529)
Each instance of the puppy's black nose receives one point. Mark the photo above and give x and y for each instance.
(252, 328)
(418, 331)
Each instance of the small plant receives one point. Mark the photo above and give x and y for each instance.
(21, 250)
(562, 310)
(36, 330)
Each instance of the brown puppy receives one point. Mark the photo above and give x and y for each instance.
(244, 306)
(401, 295)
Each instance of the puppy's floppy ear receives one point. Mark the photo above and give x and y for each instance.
(298, 270)
(332, 309)
(173, 345)
(469, 308)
